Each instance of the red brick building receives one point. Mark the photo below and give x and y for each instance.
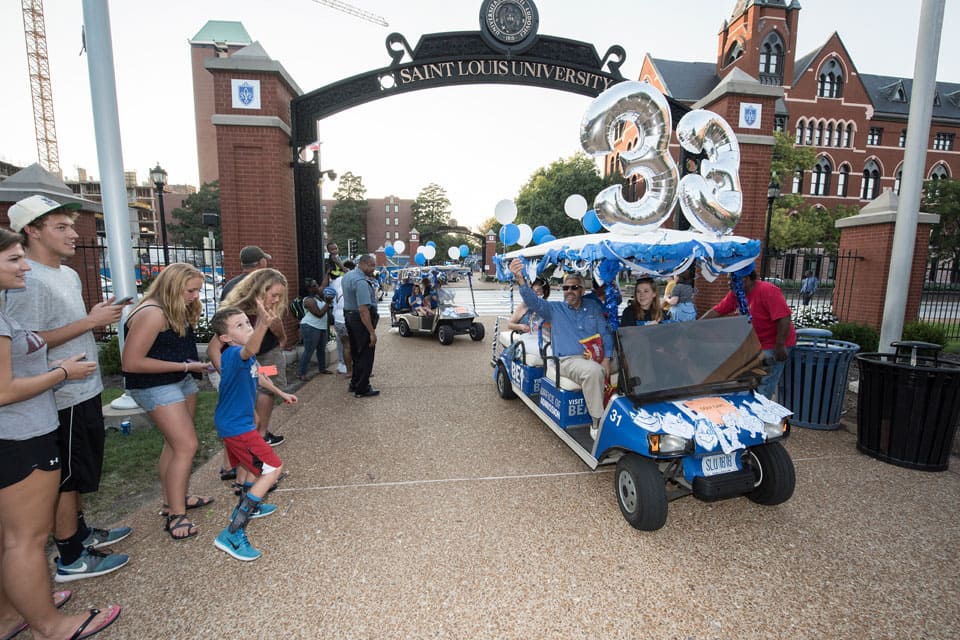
(856, 122)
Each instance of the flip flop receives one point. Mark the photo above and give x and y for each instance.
(60, 598)
(112, 614)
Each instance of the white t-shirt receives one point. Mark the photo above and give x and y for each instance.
(338, 301)
(52, 299)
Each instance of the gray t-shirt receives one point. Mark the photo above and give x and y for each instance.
(34, 416)
(52, 299)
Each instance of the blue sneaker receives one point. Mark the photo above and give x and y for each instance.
(262, 511)
(100, 538)
(237, 545)
(90, 564)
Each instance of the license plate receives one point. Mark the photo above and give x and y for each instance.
(723, 463)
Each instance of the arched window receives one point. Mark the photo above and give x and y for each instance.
(897, 179)
(828, 136)
(870, 188)
(797, 181)
(820, 182)
(843, 178)
(848, 136)
(830, 84)
(939, 172)
(819, 139)
(809, 139)
(771, 56)
(800, 125)
(836, 134)
(734, 52)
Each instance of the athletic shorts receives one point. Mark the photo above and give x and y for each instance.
(165, 394)
(23, 457)
(250, 451)
(274, 357)
(80, 439)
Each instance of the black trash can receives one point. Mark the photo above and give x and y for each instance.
(908, 407)
(814, 380)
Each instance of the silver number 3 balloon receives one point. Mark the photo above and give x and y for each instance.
(711, 200)
(647, 109)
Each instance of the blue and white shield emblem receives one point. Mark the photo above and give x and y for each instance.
(245, 93)
(749, 115)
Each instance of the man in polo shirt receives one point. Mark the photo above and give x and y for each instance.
(571, 321)
(360, 314)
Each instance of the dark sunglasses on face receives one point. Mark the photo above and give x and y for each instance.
(571, 287)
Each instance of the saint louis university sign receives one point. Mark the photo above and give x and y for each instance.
(506, 50)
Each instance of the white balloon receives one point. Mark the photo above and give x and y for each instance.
(454, 253)
(398, 246)
(526, 234)
(575, 206)
(505, 212)
(429, 252)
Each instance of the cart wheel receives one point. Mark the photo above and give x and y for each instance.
(446, 334)
(476, 332)
(773, 469)
(504, 388)
(403, 328)
(641, 492)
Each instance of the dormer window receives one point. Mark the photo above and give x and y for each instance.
(735, 51)
(830, 84)
(771, 59)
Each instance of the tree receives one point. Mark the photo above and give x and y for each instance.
(540, 201)
(943, 198)
(429, 212)
(788, 158)
(348, 219)
(190, 230)
(796, 225)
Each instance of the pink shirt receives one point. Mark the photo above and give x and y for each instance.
(767, 305)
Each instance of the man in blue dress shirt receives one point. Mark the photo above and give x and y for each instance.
(570, 322)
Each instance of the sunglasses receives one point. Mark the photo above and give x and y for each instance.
(571, 287)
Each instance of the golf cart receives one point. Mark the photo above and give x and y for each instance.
(682, 416)
(449, 318)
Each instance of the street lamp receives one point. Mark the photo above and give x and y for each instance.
(159, 179)
(773, 192)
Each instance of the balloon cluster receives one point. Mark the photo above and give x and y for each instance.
(521, 234)
(395, 249)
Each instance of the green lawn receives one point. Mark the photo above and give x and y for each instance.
(130, 463)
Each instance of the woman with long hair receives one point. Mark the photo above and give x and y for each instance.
(30, 473)
(270, 287)
(159, 365)
(644, 308)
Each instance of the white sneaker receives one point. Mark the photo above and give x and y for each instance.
(341, 368)
(594, 429)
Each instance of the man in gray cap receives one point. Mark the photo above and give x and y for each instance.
(52, 305)
(251, 259)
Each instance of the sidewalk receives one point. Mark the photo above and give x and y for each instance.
(438, 510)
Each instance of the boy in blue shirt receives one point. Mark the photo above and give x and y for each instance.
(258, 466)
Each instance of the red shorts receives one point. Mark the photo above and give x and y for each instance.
(252, 452)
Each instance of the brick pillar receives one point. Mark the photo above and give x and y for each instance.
(380, 257)
(413, 244)
(869, 234)
(490, 250)
(253, 148)
(756, 152)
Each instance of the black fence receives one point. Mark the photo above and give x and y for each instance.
(92, 263)
(940, 300)
(836, 276)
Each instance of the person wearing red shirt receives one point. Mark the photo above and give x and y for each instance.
(771, 322)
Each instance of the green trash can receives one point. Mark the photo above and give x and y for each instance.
(908, 406)
(814, 381)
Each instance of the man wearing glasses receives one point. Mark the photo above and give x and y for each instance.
(571, 321)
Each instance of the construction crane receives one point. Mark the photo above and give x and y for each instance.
(354, 11)
(39, 68)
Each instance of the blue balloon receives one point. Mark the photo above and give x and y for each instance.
(389, 251)
(420, 259)
(538, 234)
(511, 234)
(547, 238)
(590, 221)
(431, 243)
(464, 251)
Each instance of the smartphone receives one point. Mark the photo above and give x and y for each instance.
(123, 301)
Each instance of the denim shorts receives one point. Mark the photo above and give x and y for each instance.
(153, 397)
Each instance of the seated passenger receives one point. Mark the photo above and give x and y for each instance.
(523, 319)
(644, 308)
(417, 303)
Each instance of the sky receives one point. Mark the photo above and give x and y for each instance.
(480, 143)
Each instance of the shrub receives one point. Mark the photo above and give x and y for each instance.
(110, 357)
(858, 333)
(925, 332)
